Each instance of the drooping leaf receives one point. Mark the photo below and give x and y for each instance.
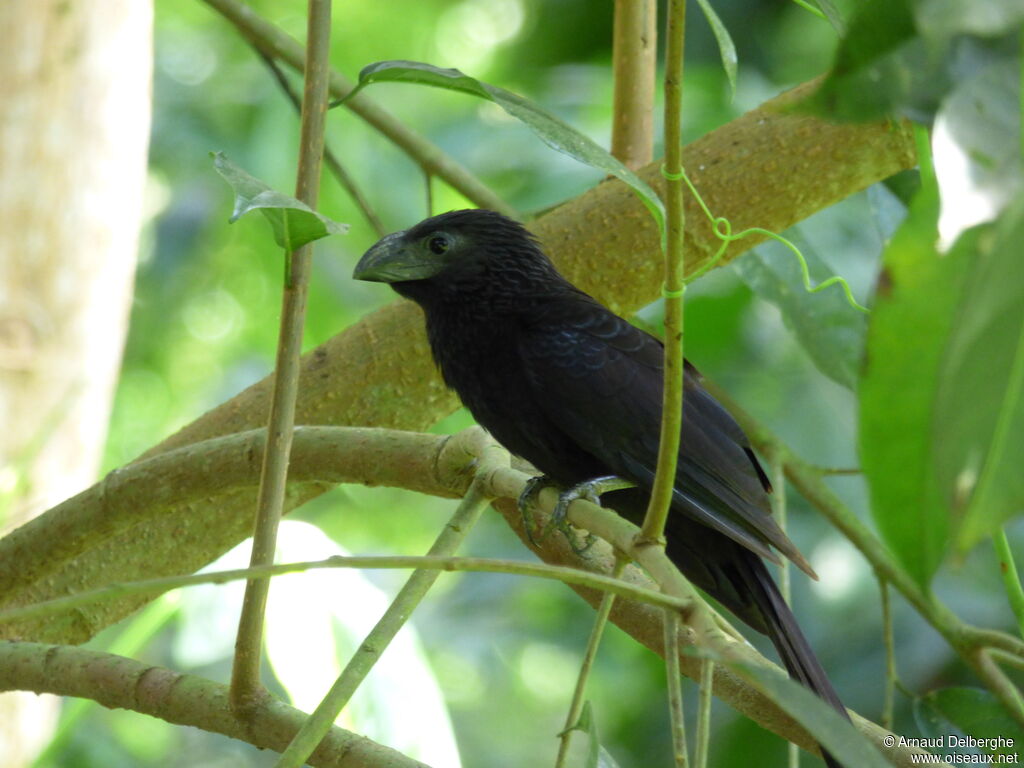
(910, 322)
(293, 222)
(978, 450)
(829, 329)
(835, 734)
(969, 712)
(882, 68)
(552, 131)
(726, 48)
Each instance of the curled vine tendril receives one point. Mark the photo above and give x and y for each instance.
(722, 228)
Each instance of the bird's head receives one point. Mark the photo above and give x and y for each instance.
(458, 255)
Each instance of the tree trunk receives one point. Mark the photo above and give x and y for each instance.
(75, 85)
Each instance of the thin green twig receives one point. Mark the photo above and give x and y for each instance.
(573, 576)
(673, 676)
(703, 747)
(780, 509)
(576, 706)
(889, 702)
(245, 672)
(1011, 581)
(672, 403)
(377, 641)
(343, 177)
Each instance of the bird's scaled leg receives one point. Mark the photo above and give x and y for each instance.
(591, 490)
(528, 498)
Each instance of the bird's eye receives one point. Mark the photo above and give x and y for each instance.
(438, 244)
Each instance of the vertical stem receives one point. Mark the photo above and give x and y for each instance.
(1011, 581)
(670, 623)
(634, 49)
(330, 159)
(377, 641)
(672, 404)
(888, 705)
(779, 509)
(576, 707)
(707, 677)
(245, 680)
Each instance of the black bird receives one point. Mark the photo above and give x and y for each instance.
(566, 384)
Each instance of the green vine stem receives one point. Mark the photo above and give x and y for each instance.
(674, 683)
(1011, 581)
(703, 747)
(394, 618)
(245, 671)
(889, 702)
(663, 486)
(576, 706)
(779, 510)
(573, 576)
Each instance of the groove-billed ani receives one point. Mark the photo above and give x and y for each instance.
(563, 382)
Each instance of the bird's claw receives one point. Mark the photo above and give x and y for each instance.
(590, 490)
(527, 499)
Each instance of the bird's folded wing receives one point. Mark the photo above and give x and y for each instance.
(599, 380)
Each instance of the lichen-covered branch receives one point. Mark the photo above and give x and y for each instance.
(432, 464)
(120, 683)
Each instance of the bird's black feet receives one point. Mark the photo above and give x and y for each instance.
(590, 490)
(528, 498)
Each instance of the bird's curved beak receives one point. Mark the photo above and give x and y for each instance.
(392, 260)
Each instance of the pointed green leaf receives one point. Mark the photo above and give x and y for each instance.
(971, 712)
(834, 733)
(726, 48)
(835, 18)
(979, 405)
(294, 223)
(552, 131)
(882, 67)
(912, 316)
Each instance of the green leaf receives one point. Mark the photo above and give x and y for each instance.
(911, 320)
(979, 404)
(829, 329)
(835, 18)
(294, 223)
(882, 67)
(726, 48)
(552, 131)
(833, 732)
(972, 712)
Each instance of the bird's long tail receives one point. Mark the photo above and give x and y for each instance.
(782, 628)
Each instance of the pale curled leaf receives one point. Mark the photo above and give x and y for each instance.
(293, 222)
(726, 47)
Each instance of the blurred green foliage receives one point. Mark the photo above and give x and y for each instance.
(505, 651)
